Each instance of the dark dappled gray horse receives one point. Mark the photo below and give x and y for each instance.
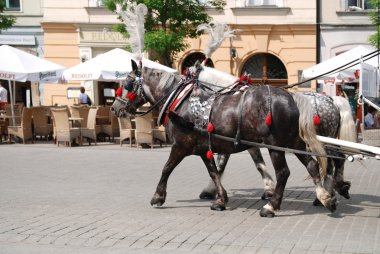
(252, 106)
(336, 121)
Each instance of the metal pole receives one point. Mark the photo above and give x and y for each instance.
(12, 102)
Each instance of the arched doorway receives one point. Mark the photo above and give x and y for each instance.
(192, 58)
(266, 68)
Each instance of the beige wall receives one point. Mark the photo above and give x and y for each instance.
(31, 13)
(293, 45)
(73, 28)
(61, 47)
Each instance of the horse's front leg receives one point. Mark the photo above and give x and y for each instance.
(261, 167)
(176, 156)
(210, 191)
(221, 196)
(282, 174)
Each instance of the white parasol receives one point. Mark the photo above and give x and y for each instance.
(17, 65)
(112, 65)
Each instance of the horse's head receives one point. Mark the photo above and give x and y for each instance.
(142, 84)
(135, 97)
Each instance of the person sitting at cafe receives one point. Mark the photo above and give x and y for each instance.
(370, 120)
(84, 98)
(3, 96)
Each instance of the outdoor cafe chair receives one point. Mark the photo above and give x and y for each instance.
(92, 130)
(80, 111)
(126, 130)
(145, 133)
(41, 127)
(63, 131)
(24, 130)
(111, 129)
(17, 111)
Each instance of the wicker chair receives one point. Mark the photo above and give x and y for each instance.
(145, 133)
(159, 134)
(80, 112)
(62, 128)
(24, 130)
(112, 129)
(92, 129)
(126, 130)
(40, 123)
(17, 110)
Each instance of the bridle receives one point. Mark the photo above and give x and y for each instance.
(139, 92)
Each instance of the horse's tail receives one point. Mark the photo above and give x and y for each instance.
(307, 130)
(347, 130)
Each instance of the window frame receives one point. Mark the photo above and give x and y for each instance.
(359, 3)
(19, 9)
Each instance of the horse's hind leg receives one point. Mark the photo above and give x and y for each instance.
(210, 191)
(323, 195)
(282, 175)
(176, 156)
(341, 186)
(221, 197)
(261, 167)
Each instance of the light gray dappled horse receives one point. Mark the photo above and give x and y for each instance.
(336, 121)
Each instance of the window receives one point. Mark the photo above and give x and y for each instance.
(356, 5)
(12, 5)
(261, 2)
(266, 68)
(192, 58)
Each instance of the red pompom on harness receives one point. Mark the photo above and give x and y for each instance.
(131, 96)
(317, 120)
(268, 120)
(210, 127)
(119, 92)
(209, 155)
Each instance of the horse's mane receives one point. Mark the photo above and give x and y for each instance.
(167, 78)
(211, 76)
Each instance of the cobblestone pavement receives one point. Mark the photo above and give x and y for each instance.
(97, 200)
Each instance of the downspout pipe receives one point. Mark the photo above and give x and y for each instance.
(318, 31)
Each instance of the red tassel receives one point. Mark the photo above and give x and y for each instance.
(119, 92)
(131, 96)
(210, 127)
(209, 155)
(317, 120)
(185, 72)
(242, 78)
(249, 80)
(268, 121)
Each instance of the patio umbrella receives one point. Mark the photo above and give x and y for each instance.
(112, 65)
(336, 62)
(17, 65)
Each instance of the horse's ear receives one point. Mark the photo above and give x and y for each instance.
(197, 63)
(134, 66)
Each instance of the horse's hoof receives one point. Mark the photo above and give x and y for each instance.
(266, 195)
(343, 189)
(157, 200)
(316, 202)
(332, 204)
(264, 212)
(206, 195)
(218, 207)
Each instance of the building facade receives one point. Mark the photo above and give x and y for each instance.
(344, 25)
(277, 39)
